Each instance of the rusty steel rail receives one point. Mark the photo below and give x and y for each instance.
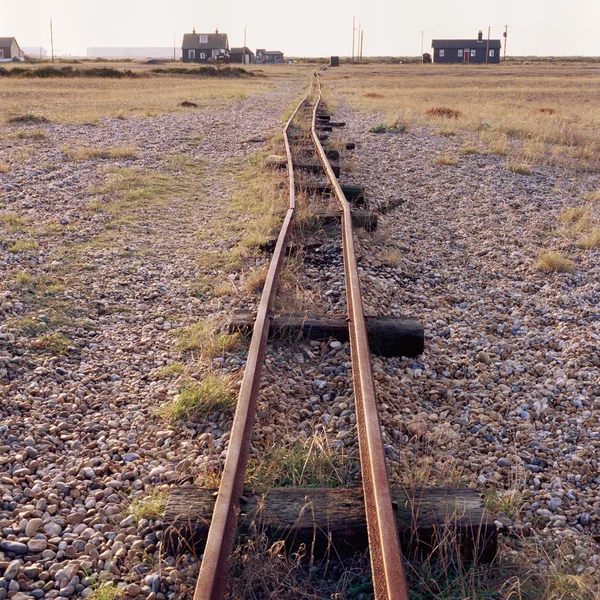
(387, 568)
(212, 579)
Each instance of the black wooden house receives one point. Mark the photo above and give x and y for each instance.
(205, 47)
(466, 51)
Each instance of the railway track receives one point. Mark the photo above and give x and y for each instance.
(386, 558)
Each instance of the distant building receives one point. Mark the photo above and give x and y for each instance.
(133, 53)
(35, 52)
(242, 55)
(269, 56)
(466, 51)
(9, 49)
(205, 47)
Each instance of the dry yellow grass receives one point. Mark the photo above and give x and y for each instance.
(100, 153)
(555, 262)
(503, 101)
(445, 159)
(4, 168)
(77, 100)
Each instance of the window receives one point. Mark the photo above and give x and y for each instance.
(1, 52)
(491, 53)
(473, 53)
(202, 55)
(460, 53)
(191, 54)
(215, 53)
(441, 53)
(204, 39)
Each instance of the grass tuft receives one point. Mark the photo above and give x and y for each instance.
(22, 246)
(168, 371)
(311, 463)
(12, 222)
(554, 262)
(203, 336)
(149, 507)
(101, 153)
(591, 240)
(443, 111)
(574, 215)
(54, 343)
(445, 159)
(519, 169)
(4, 168)
(200, 399)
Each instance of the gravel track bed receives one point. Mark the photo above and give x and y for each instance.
(78, 435)
(507, 390)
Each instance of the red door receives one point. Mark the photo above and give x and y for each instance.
(466, 54)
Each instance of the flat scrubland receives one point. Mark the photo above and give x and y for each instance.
(551, 110)
(77, 100)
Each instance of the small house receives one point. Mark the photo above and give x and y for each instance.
(205, 47)
(243, 56)
(466, 51)
(269, 57)
(9, 49)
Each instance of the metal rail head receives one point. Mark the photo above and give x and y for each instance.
(214, 569)
(387, 568)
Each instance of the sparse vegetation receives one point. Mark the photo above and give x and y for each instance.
(519, 169)
(390, 257)
(467, 149)
(168, 371)
(54, 343)
(199, 399)
(12, 222)
(508, 501)
(106, 591)
(554, 262)
(22, 246)
(445, 159)
(204, 337)
(443, 111)
(148, 507)
(4, 168)
(100, 153)
(313, 462)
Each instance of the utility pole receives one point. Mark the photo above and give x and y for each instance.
(505, 38)
(487, 47)
(422, 34)
(362, 37)
(51, 40)
(353, 30)
(174, 56)
(358, 43)
(244, 51)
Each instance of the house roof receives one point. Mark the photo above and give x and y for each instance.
(272, 52)
(472, 44)
(241, 50)
(213, 41)
(7, 41)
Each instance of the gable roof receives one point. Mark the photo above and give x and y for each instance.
(213, 41)
(471, 44)
(7, 41)
(241, 50)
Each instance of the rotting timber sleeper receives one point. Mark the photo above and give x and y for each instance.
(389, 517)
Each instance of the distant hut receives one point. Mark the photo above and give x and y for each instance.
(466, 51)
(10, 50)
(205, 47)
(269, 56)
(243, 56)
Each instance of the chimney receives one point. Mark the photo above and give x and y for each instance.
(194, 31)
(480, 36)
(217, 30)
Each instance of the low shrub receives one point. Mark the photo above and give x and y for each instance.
(443, 111)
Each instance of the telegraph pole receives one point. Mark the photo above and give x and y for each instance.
(358, 43)
(362, 34)
(487, 47)
(244, 52)
(422, 34)
(505, 38)
(51, 40)
(174, 42)
(353, 30)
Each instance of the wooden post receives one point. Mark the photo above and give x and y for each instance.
(487, 48)
(353, 30)
(51, 40)
(505, 38)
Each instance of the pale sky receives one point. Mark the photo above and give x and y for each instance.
(391, 28)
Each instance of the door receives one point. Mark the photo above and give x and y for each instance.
(466, 54)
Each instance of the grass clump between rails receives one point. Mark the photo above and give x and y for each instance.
(148, 507)
(199, 399)
(48, 72)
